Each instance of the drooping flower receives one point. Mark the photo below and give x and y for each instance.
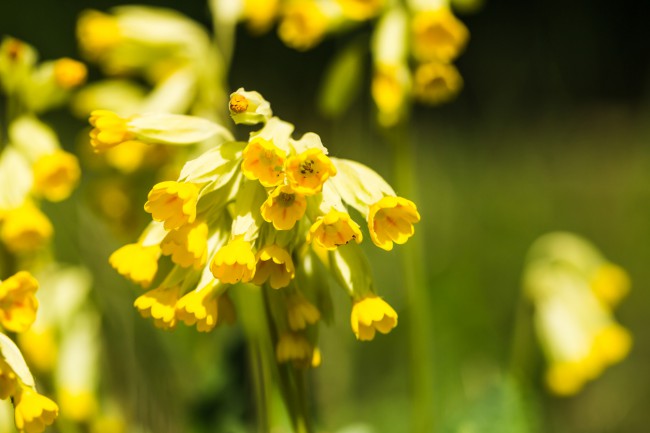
(56, 175)
(308, 171)
(234, 262)
(284, 207)
(372, 314)
(173, 203)
(334, 229)
(294, 347)
(303, 25)
(109, 130)
(18, 303)
(25, 229)
(300, 312)
(438, 35)
(264, 161)
(391, 220)
(96, 32)
(436, 83)
(188, 244)
(610, 283)
(69, 73)
(159, 304)
(33, 411)
(200, 307)
(274, 264)
(136, 262)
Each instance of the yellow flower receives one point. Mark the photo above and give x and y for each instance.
(274, 265)
(612, 344)
(40, 348)
(294, 347)
(301, 313)
(308, 171)
(18, 303)
(438, 35)
(8, 380)
(333, 230)
(249, 108)
(173, 202)
(361, 9)
(33, 411)
(109, 130)
(283, 207)
(565, 378)
(259, 14)
(264, 161)
(160, 304)
(372, 314)
(610, 283)
(25, 229)
(303, 25)
(391, 220)
(199, 307)
(56, 175)
(188, 244)
(436, 83)
(69, 73)
(77, 405)
(136, 262)
(97, 32)
(234, 262)
(390, 86)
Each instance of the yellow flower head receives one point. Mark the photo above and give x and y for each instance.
(264, 161)
(56, 175)
(78, 405)
(40, 347)
(33, 411)
(274, 265)
(283, 207)
(389, 89)
(25, 229)
(260, 14)
(436, 83)
(333, 230)
(69, 73)
(109, 130)
(160, 304)
(136, 262)
(610, 283)
(391, 220)
(360, 10)
(97, 32)
(303, 25)
(188, 244)
(173, 202)
(372, 314)
(294, 347)
(438, 35)
(565, 378)
(199, 307)
(301, 313)
(8, 380)
(612, 344)
(308, 171)
(18, 303)
(234, 262)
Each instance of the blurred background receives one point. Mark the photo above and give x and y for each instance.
(549, 133)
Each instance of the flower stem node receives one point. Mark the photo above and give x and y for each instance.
(234, 262)
(173, 203)
(159, 304)
(391, 220)
(274, 265)
(136, 262)
(372, 314)
(33, 411)
(284, 207)
(334, 229)
(18, 303)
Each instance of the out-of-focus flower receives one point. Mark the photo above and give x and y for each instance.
(18, 303)
(25, 229)
(438, 35)
(304, 24)
(56, 175)
(69, 73)
(436, 83)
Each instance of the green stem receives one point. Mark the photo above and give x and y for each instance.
(522, 355)
(419, 317)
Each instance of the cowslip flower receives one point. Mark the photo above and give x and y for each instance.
(8, 380)
(18, 303)
(610, 283)
(56, 175)
(109, 130)
(300, 312)
(33, 411)
(263, 161)
(274, 265)
(234, 262)
(372, 314)
(294, 347)
(25, 229)
(200, 307)
(438, 35)
(283, 207)
(391, 220)
(136, 262)
(308, 171)
(69, 73)
(303, 24)
(159, 304)
(173, 203)
(334, 229)
(436, 83)
(97, 32)
(187, 245)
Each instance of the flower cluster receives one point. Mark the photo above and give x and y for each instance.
(18, 305)
(33, 166)
(263, 211)
(414, 43)
(574, 290)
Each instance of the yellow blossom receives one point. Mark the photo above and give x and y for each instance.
(39, 346)
(390, 88)
(69, 73)
(159, 304)
(361, 9)
(610, 283)
(33, 411)
(391, 220)
(173, 202)
(436, 83)
(294, 347)
(18, 303)
(333, 230)
(25, 229)
(97, 32)
(303, 25)
(264, 161)
(136, 262)
(8, 380)
(188, 244)
(565, 378)
(301, 313)
(77, 405)
(234, 262)
(612, 344)
(259, 14)
(372, 314)
(199, 307)
(438, 35)
(274, 265)
(56, 175)
(109, 130)
(130, 157)
(283, 207)
(308, 171)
